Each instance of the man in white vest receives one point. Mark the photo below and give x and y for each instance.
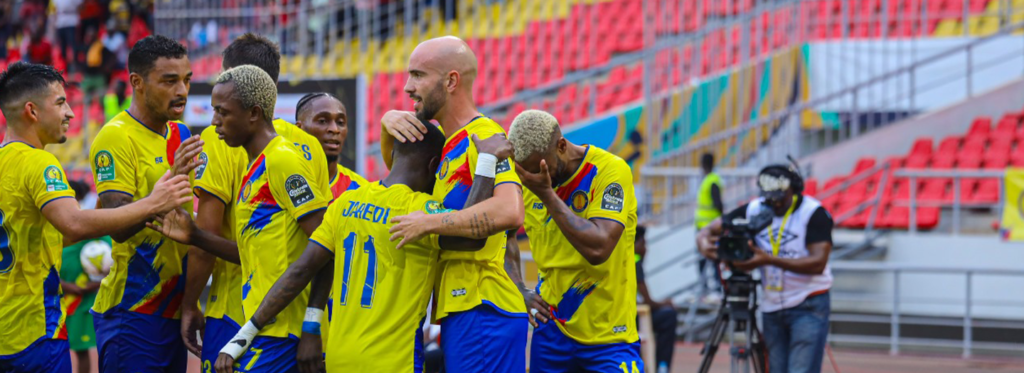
(792, 254)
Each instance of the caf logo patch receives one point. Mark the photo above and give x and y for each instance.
(434, 207)
(503, 166)
(54, 180)
(579, 201)
(443, 171)
(104, 163)
(201, 169)
(298, 190)
(613, 198)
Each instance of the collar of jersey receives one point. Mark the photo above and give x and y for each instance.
(578, 168)
(147, 127)
(15, 142)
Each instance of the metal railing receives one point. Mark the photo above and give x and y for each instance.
(897, 317)
(958, 176)
(668, 195)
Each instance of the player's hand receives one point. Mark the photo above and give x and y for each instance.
(185, 157)
(760, 258)
(170, 192)
(410, 228)
(176, 224)
(403, 125)
(707, 244)
(540, 311)
(225, 364)
(192, 321)
(535, 182)
(311, 354)
(71, 288)
(91, 287)
(496, 145)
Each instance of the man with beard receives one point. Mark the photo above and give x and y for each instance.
(137, 306)
(39, 216)
(480, 307)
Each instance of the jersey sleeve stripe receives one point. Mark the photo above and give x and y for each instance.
(207, 191)
(508, 182)
(116, 191)
(312, 211)
(614, 220)
(322, 246)
(51, 200)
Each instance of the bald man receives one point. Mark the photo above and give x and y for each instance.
(479, 303)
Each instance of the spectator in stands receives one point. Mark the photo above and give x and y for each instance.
(120, 17)
(66, 21)
(38, 49)
(5, 27)
(663, 313)
(795, 275)
(709, 208)
(117, 100)
(90, 15)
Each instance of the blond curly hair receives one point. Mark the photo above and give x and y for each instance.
(532, 132)
(253, 87)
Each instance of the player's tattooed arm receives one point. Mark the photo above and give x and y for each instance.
(292, 282)
(539, 310)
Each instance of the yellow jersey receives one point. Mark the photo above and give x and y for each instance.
(591, 304)
(381, 293)
(344, 181)
(221, 177)
(468, 279)
(30, 247)
(148, 272)
(278, 189)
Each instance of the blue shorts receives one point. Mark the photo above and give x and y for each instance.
(43, 355)
(271, 355)
(135, 342)
(484, 339)
(552, 351)
(217, 334)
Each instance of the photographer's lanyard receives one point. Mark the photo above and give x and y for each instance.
(775, 273)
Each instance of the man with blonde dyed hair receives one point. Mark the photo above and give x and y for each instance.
(585, 258)
(281, 201)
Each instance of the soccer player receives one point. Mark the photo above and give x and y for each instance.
(480, 308)
(136, 313)
(581, 220)
(324, 116)
(280, 202)
(217, 183)
(382, 291)
(39, 216)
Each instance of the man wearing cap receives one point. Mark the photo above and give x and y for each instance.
(792, 254)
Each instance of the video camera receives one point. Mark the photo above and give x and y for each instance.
(733, 244)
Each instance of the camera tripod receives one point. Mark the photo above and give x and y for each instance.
(737, 314)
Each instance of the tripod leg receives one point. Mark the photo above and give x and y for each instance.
(758, 350)
(711, 346)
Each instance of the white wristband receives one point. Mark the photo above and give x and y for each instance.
(486, 164)
(241, 341)
(313, 315)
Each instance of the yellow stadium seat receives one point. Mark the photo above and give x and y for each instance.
(948, 27)
(989, 26)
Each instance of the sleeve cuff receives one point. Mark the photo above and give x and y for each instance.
(322, 246)
(509, 182)
(51, 200)
(207, 191)
(115, 191)
(302, 214)
(610, 219)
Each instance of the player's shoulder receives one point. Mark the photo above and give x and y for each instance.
(352, 175)
(28, 158)
(282, 154)
(483, 126)
(607, 161)
(117, 127)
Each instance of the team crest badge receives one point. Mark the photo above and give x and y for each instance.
(104, 163)
(579, 201)
(54, 179)
(443, 172)
(246, 189)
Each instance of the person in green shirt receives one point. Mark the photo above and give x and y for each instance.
(117, 100)
(79, 293)
(709, 208)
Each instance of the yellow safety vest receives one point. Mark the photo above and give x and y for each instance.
(706, 211)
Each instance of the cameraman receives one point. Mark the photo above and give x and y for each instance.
(794, 269)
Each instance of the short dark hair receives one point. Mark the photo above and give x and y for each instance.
(707, 161)
(256, 50)
(431, 145)
(22, 80)
(147, 51)
(308, 99)
(641, 233)
(80, 187)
